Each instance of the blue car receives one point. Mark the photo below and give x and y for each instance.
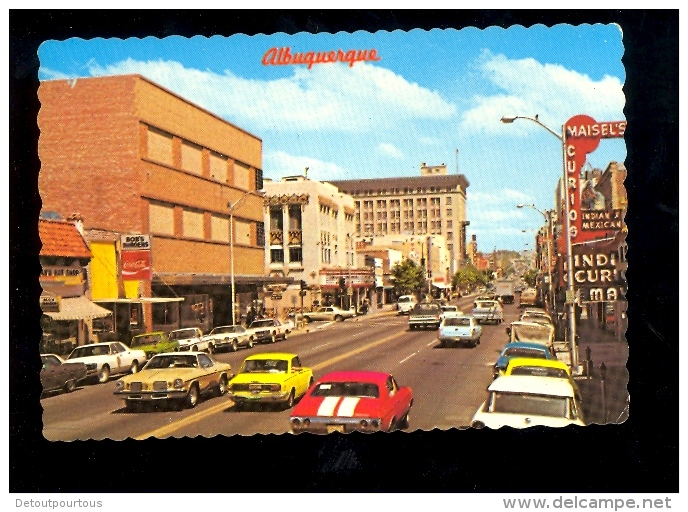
(521, 349)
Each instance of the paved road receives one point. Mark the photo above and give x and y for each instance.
(448, 383)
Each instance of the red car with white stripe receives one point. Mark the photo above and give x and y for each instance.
(365, 401)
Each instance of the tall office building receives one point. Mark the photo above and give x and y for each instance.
(433, 203)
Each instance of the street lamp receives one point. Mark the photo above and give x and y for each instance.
(547, 216)
(569, 249)
(231, 207)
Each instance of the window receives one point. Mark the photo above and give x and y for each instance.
(449, 212)
(260, 234)
(448, 201)
(295, 255)
(295, 216)
(161, 219)
(218, 167)
(219, 228)
(192, 158)
(450, 224)
(241, 176)
(276, 220)
(159, 146)
(259, 179)
(276, 256)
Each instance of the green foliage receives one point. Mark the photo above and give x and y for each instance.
(408, 278)
(530, 277)
(469, 277)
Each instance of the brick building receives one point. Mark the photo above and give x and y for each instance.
(134, 158)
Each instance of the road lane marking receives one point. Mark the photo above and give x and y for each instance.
(432, 342)
(407, 358)
(189, 420)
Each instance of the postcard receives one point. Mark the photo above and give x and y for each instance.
(327, 233)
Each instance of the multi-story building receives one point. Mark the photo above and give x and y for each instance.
(311, 238)
(473, 250)
(134, 158)
(433, 203)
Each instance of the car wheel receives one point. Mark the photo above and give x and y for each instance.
(194, 348)
(235, 347)
(250, 343)
(211, 348)
(273, 338)
(290, 401)
(443, 343)
(239, 406)
(478, 342)
(306, 320)
(192, 397)
(339, 318)
(135, 366)
(392, 425)
(310, 382)
(70, 386)
(104, 374)
(221, 386)
(132, 406)
(404, 424)
(286, 335)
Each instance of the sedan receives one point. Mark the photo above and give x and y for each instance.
(349, 401)
(56, 374)
(521, 349)
(460, 329)
(174, 377)
(329, 313)
(228, 337)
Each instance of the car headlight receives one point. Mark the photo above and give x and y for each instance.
(119, 385)
(477, 424)
(178, 383)
(295, 422)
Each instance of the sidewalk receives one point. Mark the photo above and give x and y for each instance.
(603, 401)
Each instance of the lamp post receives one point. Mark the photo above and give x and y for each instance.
(546, 214)
(569, 249)
(231, 207)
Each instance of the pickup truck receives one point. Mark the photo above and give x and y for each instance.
(424, 315)
(268, 330)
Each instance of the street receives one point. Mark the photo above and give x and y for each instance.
(448, 383)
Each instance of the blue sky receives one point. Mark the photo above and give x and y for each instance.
(431, 92)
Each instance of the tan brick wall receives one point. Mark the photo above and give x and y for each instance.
(174, 255)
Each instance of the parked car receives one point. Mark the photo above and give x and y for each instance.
(532, 332)
(542, 368)
(488, 311)
(56, 374)
(347, 401)
(270, 378)
(528, 298)
(537, 316)
(450, 309)
(230, 337)
(521, 349)
(521, 401)
(329, 313)
(405, 304)
(460, 329)
(424, 315)
(153, 343)
(190, 339)
(174, 377)
(110, 358)
(268, 330)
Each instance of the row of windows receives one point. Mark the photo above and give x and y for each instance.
(277, 217)
(161, 221)
(420, 202)
(405, 190)
(160, 147)
(295, 255)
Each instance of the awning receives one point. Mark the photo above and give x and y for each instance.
(441, 285)
(141, 300)
(78, 308)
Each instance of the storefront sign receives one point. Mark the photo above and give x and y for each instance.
(62, 281)
(49, 303)
(136, 266)
(598, 274)
(582, 136)
(135, 242)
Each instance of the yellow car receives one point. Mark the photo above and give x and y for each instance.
(270, 378)
(176, 377)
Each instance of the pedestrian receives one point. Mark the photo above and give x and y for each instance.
(250, 316)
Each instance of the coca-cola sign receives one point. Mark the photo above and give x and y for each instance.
(136, 266)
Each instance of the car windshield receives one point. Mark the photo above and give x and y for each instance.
(147, 339)
(227, 329)
(183, 334)
(172, 361)
(358, 389)
(484, 304)
(524, 352)
(265, 366)
(262, 323)
(405, 299)
(531, 404)
(540, 371)
(88, 351)
(457, 321)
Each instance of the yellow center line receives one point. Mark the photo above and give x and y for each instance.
(196, 417)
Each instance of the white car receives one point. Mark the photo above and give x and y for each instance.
(522, 401)
(190, 339)
(269, 330)
(488, 311)
(331, 313)
(450, 310)
(457, 328)
(105, 359)
(228, 337)
(405, 304)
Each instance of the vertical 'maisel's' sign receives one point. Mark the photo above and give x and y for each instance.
(582, 136)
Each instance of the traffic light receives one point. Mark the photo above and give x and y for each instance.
(303, 284)
(342, 283)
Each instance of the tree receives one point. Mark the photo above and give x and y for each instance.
(468, 277)
(530, 277)
(408, 277)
